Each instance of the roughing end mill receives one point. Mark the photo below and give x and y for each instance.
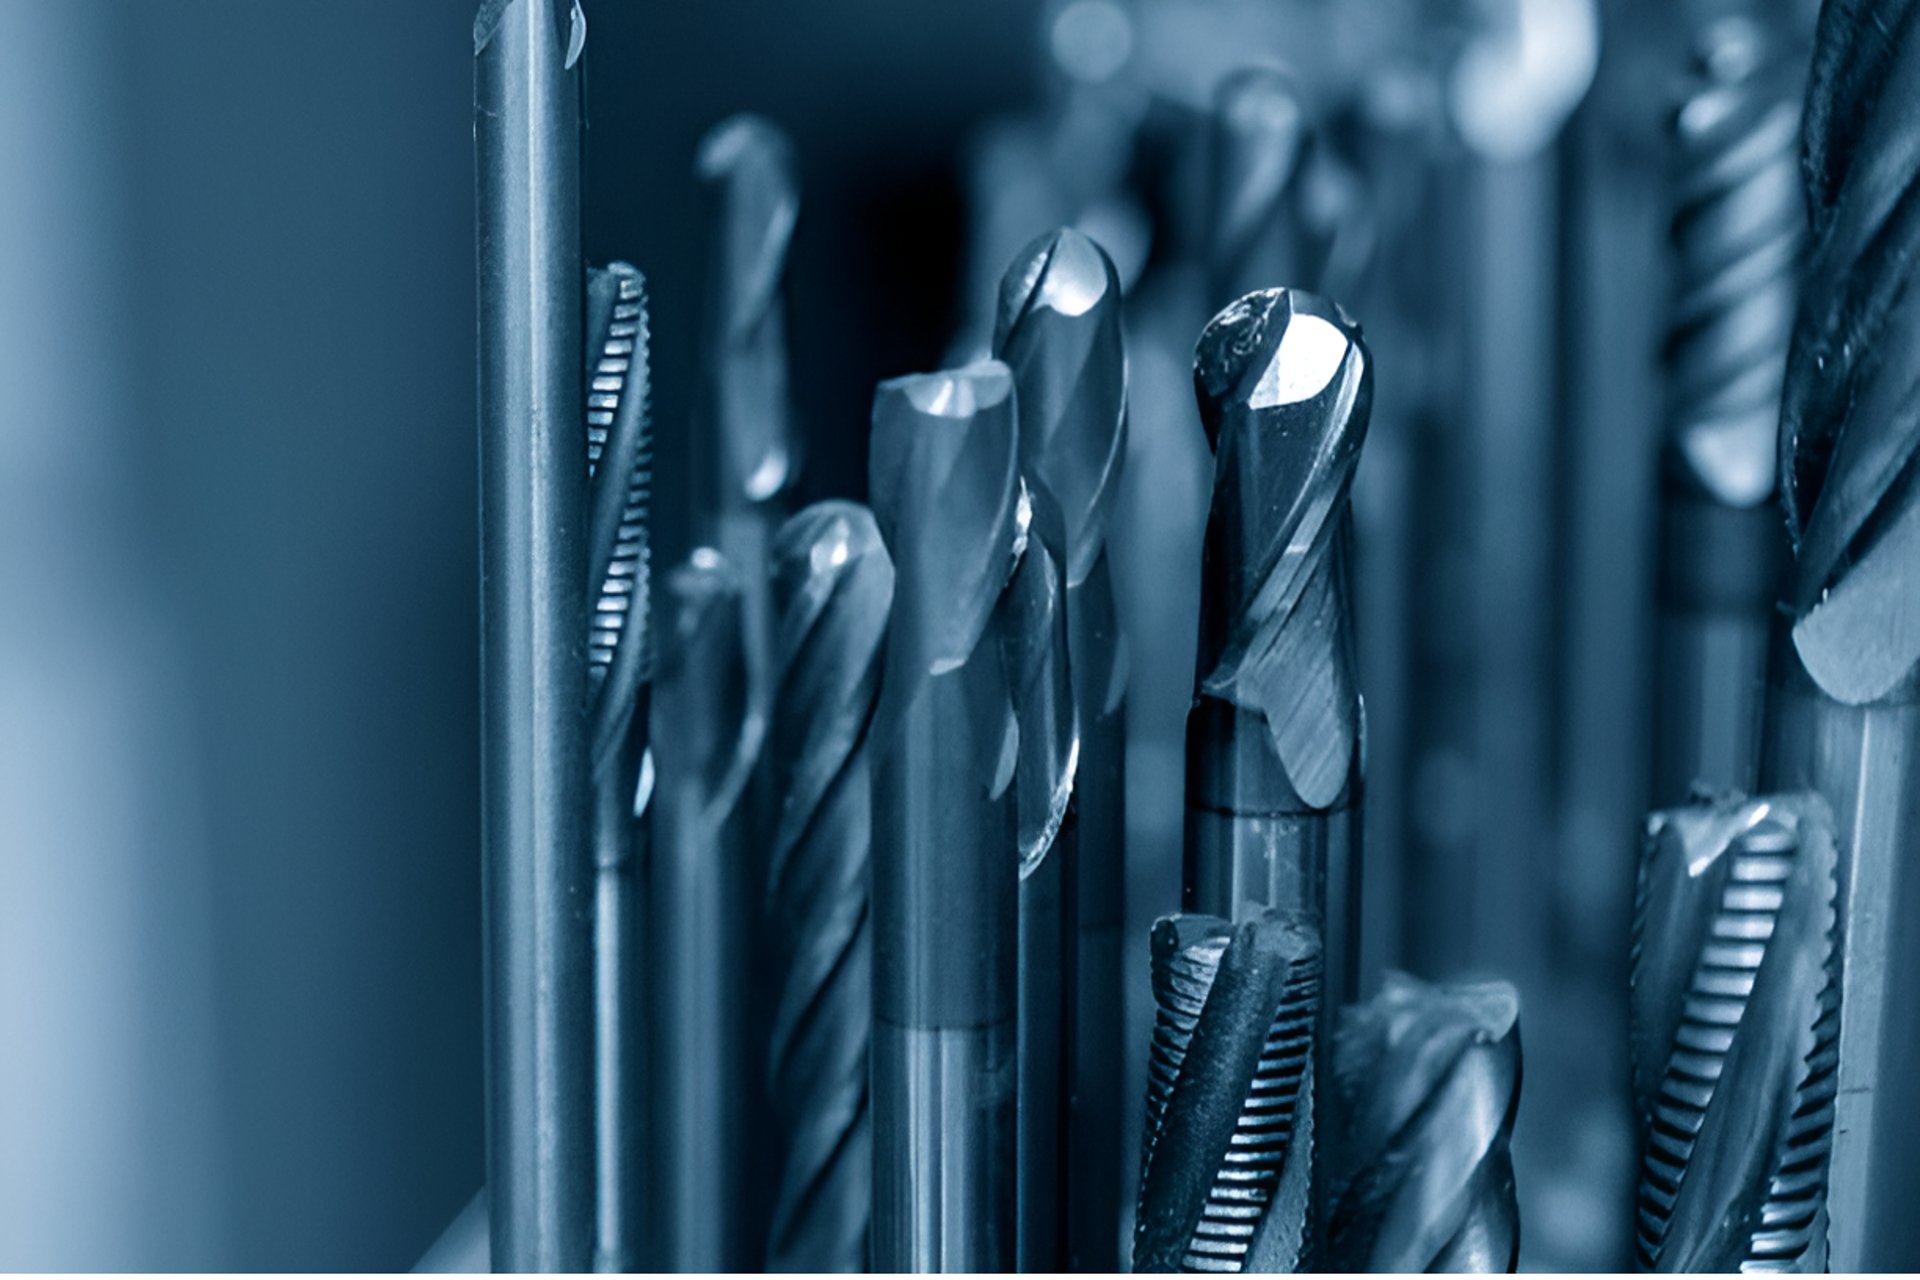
(1049, 750)
(619, 448)
(1843, 713)
(832, 594)
(945, 482)
(1738, 232)
(1059, 331)
(537, 876)
(1429, 1078)
(1735, 1023)
(1285, 385)
(1229, 1163)
(747, 451)
(702, 907)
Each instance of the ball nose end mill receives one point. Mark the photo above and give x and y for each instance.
(1261, 231)
(1429, 1078)
(945, 482)
(1735, 1029)
(1284, 383)
(832, 592)
(1228, 1154)
(1058, 329)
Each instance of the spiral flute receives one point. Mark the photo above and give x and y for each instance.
(1273, 742)
(1735, 1030)
(1738, 233)
(701, 908)
(833, 591)
(1430, 1082)
(1058, 330)
(619, 674)
(945, 482)
(1228, 1153)
(1843, 711)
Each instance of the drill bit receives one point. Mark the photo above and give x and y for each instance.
(1228, 1154)
(1842, 717)
(833, 591)
(1430, 1082)
(701, 906)
(747, 452)
(946, 876)
(1058, 330)
(1738, 232)
(534, 772)
(1735, 1023)
(1049, 752)
(1285, 385)
(619, 675)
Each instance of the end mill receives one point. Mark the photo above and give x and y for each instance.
(1059, 331)
(1843, 709)
(1229, 1157)
(1273, 742)
(944, 471)
(619, 449)
(1430, 1081)
(1738, 232)
(1735, 1028)
(833, 592)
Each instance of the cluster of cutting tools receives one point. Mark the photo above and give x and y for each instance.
(805, 864)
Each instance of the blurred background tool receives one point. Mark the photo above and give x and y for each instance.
(1421, 1176)
(537, 837)
(1059, 334)
(1048, 758)
(1738, 230)
(1274, 739)
(1229, 1159)
(1842, 715)
(619, 430)
(833, 592)
(702, 907)
(946, 873)
(1735, 1023)
(744, 442)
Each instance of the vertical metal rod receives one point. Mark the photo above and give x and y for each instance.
(535, 859)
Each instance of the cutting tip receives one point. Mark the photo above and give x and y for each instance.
(1063, 272)
(943, 471)
(746, 163)
(823, 541)
(1276, 349)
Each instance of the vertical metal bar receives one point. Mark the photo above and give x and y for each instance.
(536, 868)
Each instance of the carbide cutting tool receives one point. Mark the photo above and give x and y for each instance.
(1274, 739)
(535, 837)
(1059, 332)
(1429, 1078)
(1228, 1153)
(619, 449)
(833, 592)
(1738, 232)
(946, 875)
(1843, 714)
(702, 906)
(1735, 1028)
